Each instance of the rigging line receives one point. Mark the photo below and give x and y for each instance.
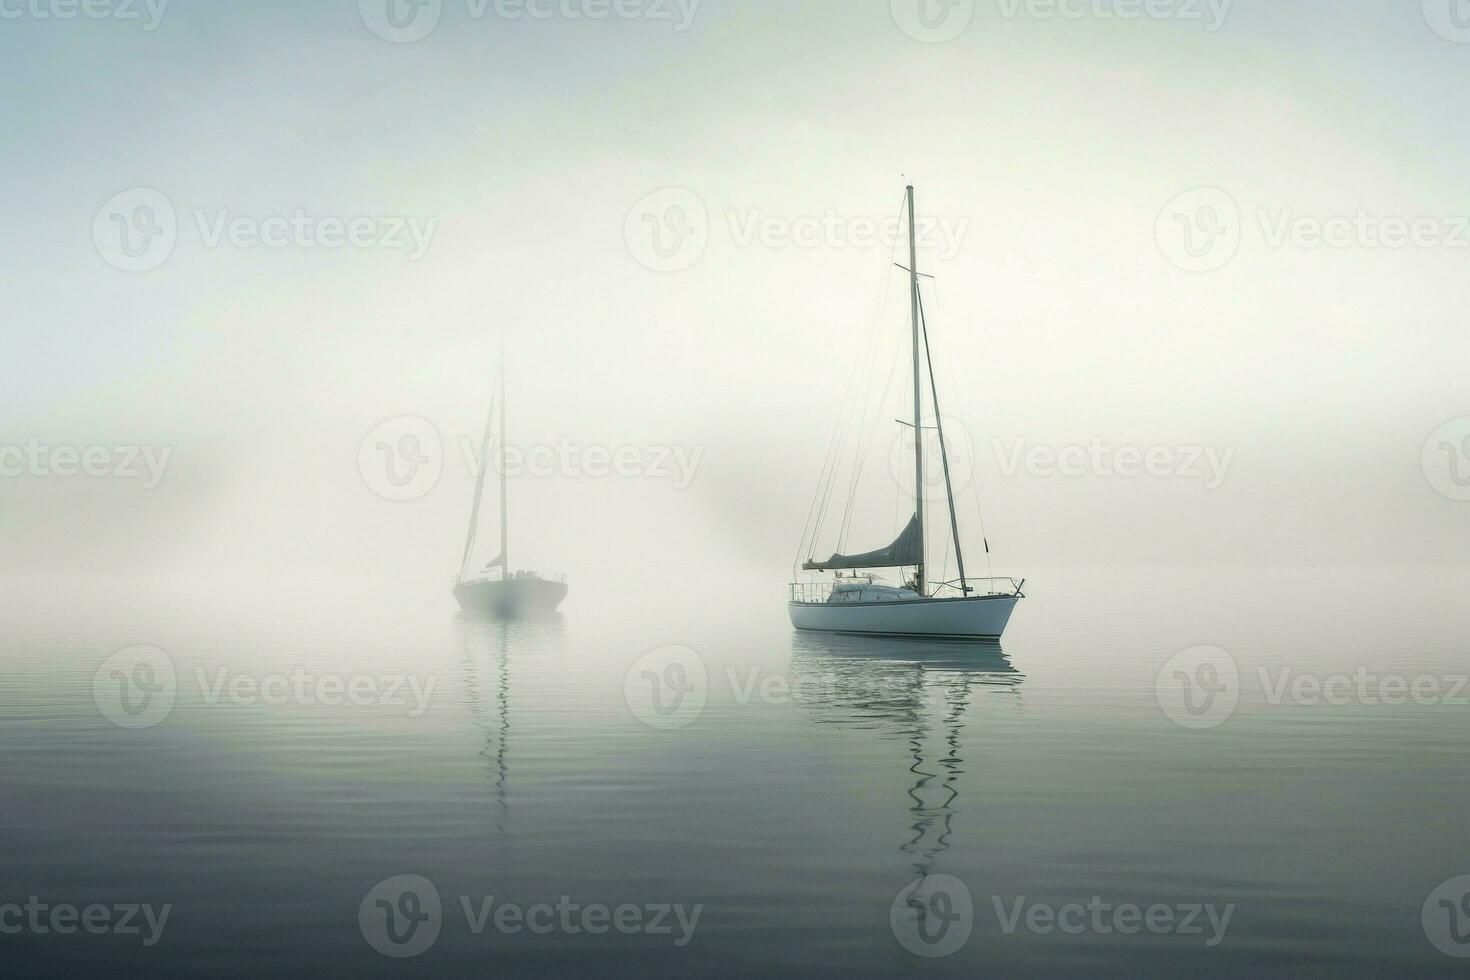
(832, 491)
(829, 464)
(826, 481)
(974, 461)
(863, 425)
(870, 358)
(867, 435)
(865, 441)
(944, 568)
(484, 462)
(954, 521)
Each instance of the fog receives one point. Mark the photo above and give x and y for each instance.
(521, 152)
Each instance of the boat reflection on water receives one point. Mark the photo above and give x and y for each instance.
(485, 644)
(920, 691)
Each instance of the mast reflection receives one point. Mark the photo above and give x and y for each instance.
(919, 691)
(485, 645)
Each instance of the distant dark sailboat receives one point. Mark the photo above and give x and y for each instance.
(495, 590)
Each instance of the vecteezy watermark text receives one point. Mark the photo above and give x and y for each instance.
(1104, 918)
(403, 459)
(1286, 685)
(1211, 13)
(40, 918)
(945, 234)
(669, 687)
(1202, 230)
(1207, 464)
(302, 687)
(669, 230)
(138, 230)
(148, 12)
(938, 21)
(300, 229)
(1363, 229)
(1200, 688)
(37, 459)
(566, 458)
(137, 687)
(934, 917)
(406, 21)
(403, 916)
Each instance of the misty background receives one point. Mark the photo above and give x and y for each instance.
(1057, 142)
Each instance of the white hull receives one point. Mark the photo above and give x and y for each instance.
(511, 598)
(976, 617)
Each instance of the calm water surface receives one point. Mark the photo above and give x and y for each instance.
(820, 779)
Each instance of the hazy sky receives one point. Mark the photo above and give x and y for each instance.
(1052, 146)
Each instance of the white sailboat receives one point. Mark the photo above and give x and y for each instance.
(857, 601)
(495, 590)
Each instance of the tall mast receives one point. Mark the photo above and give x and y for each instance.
(918, 390)
(469, 544)
(504, 525)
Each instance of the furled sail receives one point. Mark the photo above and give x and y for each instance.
(908, 549)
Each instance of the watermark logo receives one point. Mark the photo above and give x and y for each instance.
(119, 10)
(1199, 688)
(1446, 917)
(401, 21)
(402, 459)
(932, 21)
(136, 230)
(668, 230)
(1199, 230)
(667, 688)
(933, 917)
(1446, 459)
(1450, 19)
(135, 688)
(401, 916)
(958, 449)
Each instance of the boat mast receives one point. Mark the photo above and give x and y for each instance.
(504, 524)
(469, 544)
(918, 391)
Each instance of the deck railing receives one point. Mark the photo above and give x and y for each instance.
(823, 592)
(513, 577)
